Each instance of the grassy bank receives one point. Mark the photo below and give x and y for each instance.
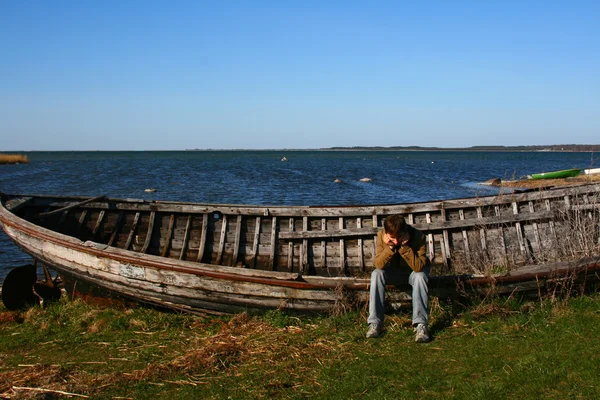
(496, 349)
(13, 159)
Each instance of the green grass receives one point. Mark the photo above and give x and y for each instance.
(493, 350)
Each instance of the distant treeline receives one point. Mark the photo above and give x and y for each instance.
(553, 147)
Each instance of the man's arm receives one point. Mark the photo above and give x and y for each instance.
(415, 260)
(383, 253)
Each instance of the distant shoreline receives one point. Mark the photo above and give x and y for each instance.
(536, 148)
(571, 148)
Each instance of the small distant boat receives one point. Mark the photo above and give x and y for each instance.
(591, 171)
(565, 173)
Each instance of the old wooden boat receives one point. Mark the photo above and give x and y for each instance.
(229, 258)
(565, 173)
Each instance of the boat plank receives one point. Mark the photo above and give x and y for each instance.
(465, 237)
(482, 237)
(14, 205)
(342, 263)
(536, 231)
(501, 236)
(70, 206)
(273, 244)
(432, 227)
(81, 219)
(168, 236)
(375, 230)
(520, 238)
(151, 220)
(63, 216)
(221, 247)
(350, 211)
(290, 261)
(446, 245)
(136, 219)
(361, 259)
(304, 252)
(203, 232)
(98, 223)
(323, 245)
(236, 243)
(430, 243)
(255, 242)
(116, 228)
(186, 236)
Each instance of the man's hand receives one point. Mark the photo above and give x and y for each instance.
(392, 242)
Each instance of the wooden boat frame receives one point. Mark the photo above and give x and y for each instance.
(229, 258)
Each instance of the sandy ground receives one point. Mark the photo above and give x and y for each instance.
(539, 183)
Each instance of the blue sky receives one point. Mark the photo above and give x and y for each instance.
(145, 75)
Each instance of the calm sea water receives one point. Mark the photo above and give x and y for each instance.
(260, 177)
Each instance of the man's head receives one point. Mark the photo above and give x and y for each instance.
(396, 227)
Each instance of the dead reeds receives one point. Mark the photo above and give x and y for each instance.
(13, 159)
(568, 233)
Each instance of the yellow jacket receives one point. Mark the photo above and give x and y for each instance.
(412, 255)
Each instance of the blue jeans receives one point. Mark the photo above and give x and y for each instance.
(394, 276)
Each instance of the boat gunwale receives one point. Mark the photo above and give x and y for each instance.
(324, 211)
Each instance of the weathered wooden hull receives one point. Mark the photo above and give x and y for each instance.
(228, 258)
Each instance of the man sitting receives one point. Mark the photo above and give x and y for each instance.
(400, 251)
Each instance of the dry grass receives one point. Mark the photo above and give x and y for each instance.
(13, 159)
(244, 343)
(570, 235)
(542, 183)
